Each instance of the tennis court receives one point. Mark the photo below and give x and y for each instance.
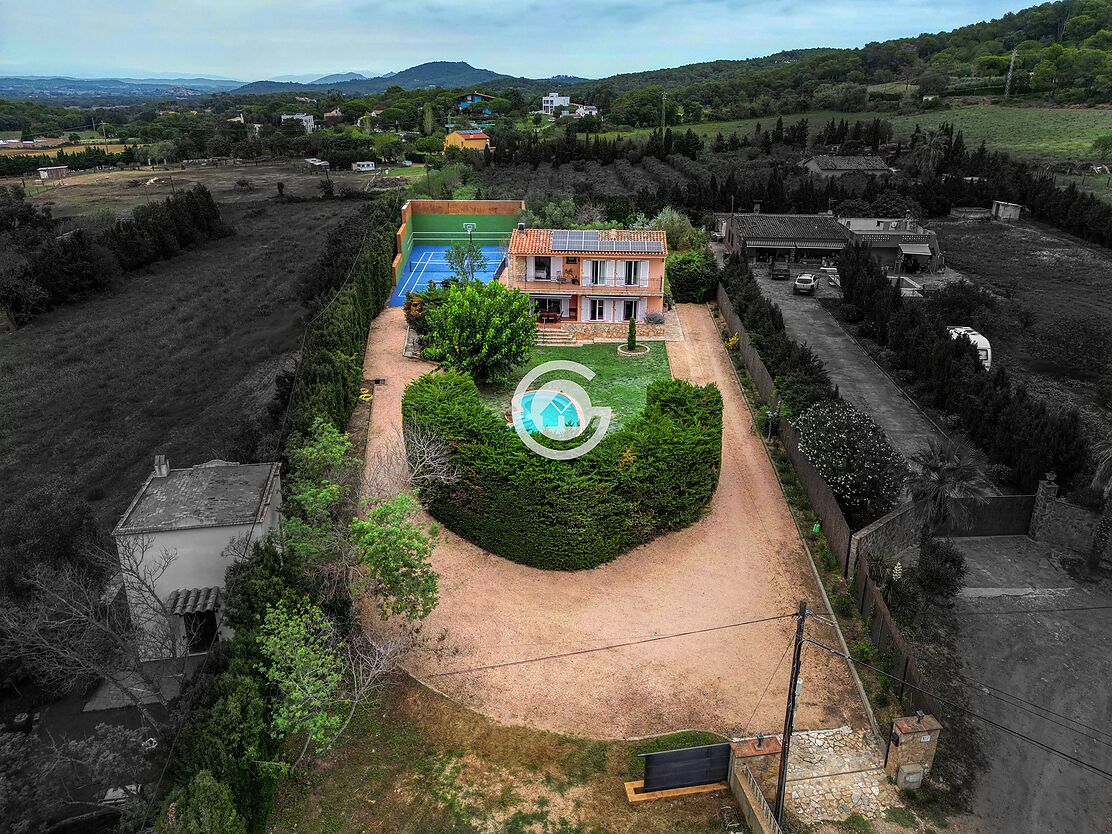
(429, 263)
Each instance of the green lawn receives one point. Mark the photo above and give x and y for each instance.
(420, 764)
(1029, 132)
(620, 381)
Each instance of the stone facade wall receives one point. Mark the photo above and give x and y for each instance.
(607, 331)
(1063, 524)
(887, 535)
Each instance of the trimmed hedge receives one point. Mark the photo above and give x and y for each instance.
(800, 377)
(352, 283)
(656, 474)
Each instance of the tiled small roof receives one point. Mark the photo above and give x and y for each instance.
(213, 494)
(849, 163)
(791, 227)
(193, 600)
(539, 241)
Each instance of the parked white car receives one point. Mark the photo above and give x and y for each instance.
(804, 284)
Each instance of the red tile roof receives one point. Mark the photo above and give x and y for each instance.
(539, 242)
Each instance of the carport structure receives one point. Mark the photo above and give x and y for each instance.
(798, 237)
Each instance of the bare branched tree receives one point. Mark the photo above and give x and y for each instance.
(408, 461)
(74, 625)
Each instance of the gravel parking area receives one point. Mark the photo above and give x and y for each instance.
(529, 647)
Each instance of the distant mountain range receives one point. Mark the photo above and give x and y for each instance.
(61, 87)
(446, 74)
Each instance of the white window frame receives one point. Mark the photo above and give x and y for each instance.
(625, 308)
(601, 302)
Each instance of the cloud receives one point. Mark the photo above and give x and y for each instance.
(252, 39)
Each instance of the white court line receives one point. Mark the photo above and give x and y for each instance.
(408, 283)
(415, 275)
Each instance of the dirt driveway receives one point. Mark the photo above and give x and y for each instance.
(742, 561)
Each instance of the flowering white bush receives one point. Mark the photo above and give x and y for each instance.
(853, 455)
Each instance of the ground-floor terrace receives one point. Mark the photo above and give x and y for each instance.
(662, 638)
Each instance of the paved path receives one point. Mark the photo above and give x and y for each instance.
(742, 561)
(857, 376)
(1025, 640)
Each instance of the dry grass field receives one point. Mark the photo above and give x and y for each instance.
(172, 360)
(1053, 319)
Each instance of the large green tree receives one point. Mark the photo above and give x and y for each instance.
(466, 260)
(305, 667)
(484, 330)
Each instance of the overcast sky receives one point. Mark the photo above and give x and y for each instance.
(255, 39)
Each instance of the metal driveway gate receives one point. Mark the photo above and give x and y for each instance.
(687, 767)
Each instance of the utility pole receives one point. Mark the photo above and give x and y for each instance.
(1008, 81)
(663, 96)
(789, 715)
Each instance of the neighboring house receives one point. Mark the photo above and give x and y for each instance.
(368, 120)
(473, 140)
(317, 164)
(552, 101)
(474, 102)
(333, 117)
(582, 110)
(839, 166)
(896, 242)
(307, 120)
(594, 277)
(53, 172)
(194, 515)
(254, 128)
(794, 237)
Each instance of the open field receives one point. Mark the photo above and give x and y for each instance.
(1061, 303)
(99, 191)
(1028, 132)
(171, 361)
(742, 561)
(620, 383)
(110, 147)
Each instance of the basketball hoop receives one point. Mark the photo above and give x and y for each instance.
(469, 228)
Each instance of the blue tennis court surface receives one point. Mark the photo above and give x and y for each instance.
(428, 263)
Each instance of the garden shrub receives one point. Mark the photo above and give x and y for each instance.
(656, 474)
(854, 457)
(940, 571)
(692, 276)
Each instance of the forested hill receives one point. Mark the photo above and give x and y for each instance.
(1063, 52)
(675, 77)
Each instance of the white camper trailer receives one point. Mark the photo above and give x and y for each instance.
(980, 343)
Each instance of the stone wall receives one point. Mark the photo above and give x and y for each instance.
(610, 331)
(1063, 524)
(886, 536)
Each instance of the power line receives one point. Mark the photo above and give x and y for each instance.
(1004, 695)
(1099, 771)
(764, 692)
(655, 639)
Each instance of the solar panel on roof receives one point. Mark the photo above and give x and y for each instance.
(587, 240)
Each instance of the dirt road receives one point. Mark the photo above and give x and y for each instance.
(596, 652)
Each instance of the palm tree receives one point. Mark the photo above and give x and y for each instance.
(930, 151)
(946, 477)
(1102, 481)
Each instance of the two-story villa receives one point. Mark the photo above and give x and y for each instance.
(589, 277)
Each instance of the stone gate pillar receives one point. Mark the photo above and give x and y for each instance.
(1046, 493)
(911, 748)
